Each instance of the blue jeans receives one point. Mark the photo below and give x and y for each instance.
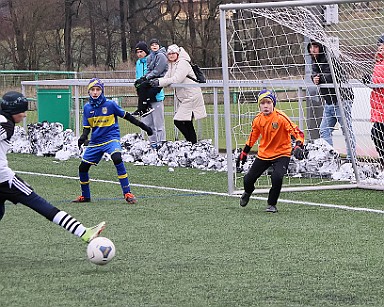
(332, 115)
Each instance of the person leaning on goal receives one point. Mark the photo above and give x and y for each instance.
(321, 74)
(275, 148)
(100, 115)
(12, 188)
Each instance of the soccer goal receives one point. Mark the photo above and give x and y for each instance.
(265, 45)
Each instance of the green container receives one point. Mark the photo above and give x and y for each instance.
(54, 105)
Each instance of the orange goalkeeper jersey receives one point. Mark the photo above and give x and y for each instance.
(275, 130)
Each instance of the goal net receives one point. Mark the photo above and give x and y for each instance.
(268, 45)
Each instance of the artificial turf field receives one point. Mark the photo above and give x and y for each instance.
(179, 247)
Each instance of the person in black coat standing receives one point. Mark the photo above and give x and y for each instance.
(321, 74)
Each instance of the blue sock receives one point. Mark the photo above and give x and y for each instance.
(84, 182)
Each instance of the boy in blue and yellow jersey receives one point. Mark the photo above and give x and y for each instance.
(100, 115)
(275, 148)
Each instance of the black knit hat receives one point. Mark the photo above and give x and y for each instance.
(154, 41)
(142, 46)
(14, 103)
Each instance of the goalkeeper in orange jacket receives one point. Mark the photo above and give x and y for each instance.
(274, 128)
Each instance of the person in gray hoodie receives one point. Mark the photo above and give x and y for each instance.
(157, 66)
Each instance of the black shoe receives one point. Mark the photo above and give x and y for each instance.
(147, 112)
(271, 209)
(137, 113)
(244, 199)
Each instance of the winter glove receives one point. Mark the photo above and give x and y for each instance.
(83, 139)
(140, 81)
(80, 141)
(298, 150)
(147, 129)
(138, 123)
(154, 82)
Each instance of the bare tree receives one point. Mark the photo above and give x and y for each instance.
(123, 36)
(195, 26)
(73, 34)
(20, 52)
(144, 20)
(70, 10)
(21, 28)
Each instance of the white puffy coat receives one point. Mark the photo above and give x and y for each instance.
(189, 99)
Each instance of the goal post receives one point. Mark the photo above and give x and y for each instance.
(266, 45)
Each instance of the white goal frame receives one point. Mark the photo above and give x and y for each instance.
(227, 9)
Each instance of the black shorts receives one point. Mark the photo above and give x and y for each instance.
(21, 192)
(17, 193)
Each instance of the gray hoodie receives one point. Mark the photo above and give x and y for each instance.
(157, 64)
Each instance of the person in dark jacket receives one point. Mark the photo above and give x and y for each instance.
(155, 120)
(157, 66)
(321, 74)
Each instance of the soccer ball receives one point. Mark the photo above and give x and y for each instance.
(101, 250)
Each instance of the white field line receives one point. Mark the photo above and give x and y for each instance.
(306, 203)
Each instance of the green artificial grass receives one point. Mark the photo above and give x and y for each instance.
(182, 248)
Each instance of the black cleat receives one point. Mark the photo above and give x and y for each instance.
(147, 112)
(137, 113)
(271, 209)
(81, 199)
(244, 199)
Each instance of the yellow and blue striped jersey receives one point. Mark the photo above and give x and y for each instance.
(103, 121)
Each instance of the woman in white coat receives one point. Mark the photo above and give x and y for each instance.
(189, 100)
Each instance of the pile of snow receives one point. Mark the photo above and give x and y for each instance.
(321, 159)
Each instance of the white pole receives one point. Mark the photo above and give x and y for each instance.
(227, 102)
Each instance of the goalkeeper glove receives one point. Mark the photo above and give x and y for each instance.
(298, 150)
(243, 156)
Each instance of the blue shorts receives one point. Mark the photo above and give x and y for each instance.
(94, 153)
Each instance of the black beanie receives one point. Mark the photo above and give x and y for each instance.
(14, 103)
(154, 41)
(142, 46)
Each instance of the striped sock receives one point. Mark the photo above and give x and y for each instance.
(69, 223)
(123, 177)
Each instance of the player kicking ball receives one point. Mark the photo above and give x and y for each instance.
(13, 110)
(275, 148)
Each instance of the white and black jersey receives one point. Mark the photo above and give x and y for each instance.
(7, 127)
